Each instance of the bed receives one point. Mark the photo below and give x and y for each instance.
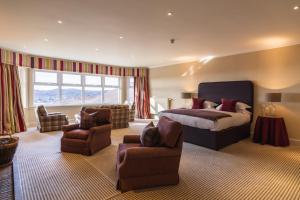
(228, 130)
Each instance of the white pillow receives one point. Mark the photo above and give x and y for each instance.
(240, 106)
(209, 104)
(244, 112)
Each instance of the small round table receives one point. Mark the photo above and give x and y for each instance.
(271, 130)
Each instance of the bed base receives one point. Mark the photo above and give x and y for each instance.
(215, 139)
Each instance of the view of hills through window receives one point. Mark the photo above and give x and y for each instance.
(74, 89)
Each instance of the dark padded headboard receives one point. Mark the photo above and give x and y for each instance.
(238, 90)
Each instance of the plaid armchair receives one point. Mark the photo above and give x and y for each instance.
(47, 122)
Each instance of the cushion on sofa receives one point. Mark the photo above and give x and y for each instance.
(42, 110)
(150, 136)
(77, 134)
(88, 120)
(169, 131)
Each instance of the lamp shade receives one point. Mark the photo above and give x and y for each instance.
(186, 95)
(273, 97)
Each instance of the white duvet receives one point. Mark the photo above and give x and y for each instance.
(236, 119)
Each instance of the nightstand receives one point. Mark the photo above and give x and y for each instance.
(271, 130)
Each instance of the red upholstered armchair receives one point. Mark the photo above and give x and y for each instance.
(87, 142)
(142, 167)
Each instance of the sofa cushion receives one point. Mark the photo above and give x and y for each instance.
(77, 134)
(169, 131)
(150, 136)
(42, 110)
(88, 120)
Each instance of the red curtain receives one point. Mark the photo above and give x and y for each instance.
(11, 108)
(142, 99)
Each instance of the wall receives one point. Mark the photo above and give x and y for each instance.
(275, 70)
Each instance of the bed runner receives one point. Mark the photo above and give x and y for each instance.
(210, 115)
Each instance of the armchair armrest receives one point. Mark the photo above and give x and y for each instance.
(55, 113)
(131, 139)
(151, 152)
(54, 117)
(70, 127)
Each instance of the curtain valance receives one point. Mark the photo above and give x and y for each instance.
(38, 62)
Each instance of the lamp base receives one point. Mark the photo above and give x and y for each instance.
(269, 110)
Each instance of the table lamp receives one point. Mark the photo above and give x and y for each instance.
(186, 96)
(270, 107)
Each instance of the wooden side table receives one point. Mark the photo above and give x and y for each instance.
(271, 130)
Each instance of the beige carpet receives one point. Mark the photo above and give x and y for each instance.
(240, 171)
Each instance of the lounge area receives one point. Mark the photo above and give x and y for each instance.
(158, 100)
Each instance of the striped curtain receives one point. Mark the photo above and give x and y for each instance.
(39, 62)
(11, 108)
(142, 99)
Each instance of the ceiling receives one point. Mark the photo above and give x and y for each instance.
(201, 28)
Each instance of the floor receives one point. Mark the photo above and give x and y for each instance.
(241, 171)
(6, 183)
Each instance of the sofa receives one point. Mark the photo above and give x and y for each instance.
(47, 122)
(119, 115)
(88, 142)
(141, 167)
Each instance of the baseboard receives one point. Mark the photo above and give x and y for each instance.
(294, 141)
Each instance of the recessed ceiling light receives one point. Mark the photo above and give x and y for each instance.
(46, 40)
(121, 37)
(170, 14)
(296, 7)
(59, 21)
(96, 49)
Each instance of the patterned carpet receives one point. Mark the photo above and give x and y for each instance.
(240, 171)
(6, 183)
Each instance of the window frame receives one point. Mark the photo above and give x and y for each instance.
(83, 85)
(128, 88)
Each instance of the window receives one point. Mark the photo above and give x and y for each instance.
(60, 88)
(73, 79)
(130, 90)
(46, 90)
(44, 94)
(111, 90)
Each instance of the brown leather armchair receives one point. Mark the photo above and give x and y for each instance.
(87, 142)
(142, 167)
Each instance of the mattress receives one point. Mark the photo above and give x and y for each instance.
(236, 119)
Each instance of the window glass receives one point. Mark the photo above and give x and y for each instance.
(44, 94)
(71, 79)
(111, 95)
(71, 95)
(93, 80)
(130, 90)
(111, 81)
(59, 88)
(93, 95)
(131, 82)
(45, 77)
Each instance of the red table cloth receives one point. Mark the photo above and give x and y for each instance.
(271, 130)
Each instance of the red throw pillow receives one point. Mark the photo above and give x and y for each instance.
(198, 103)
(228, 105)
